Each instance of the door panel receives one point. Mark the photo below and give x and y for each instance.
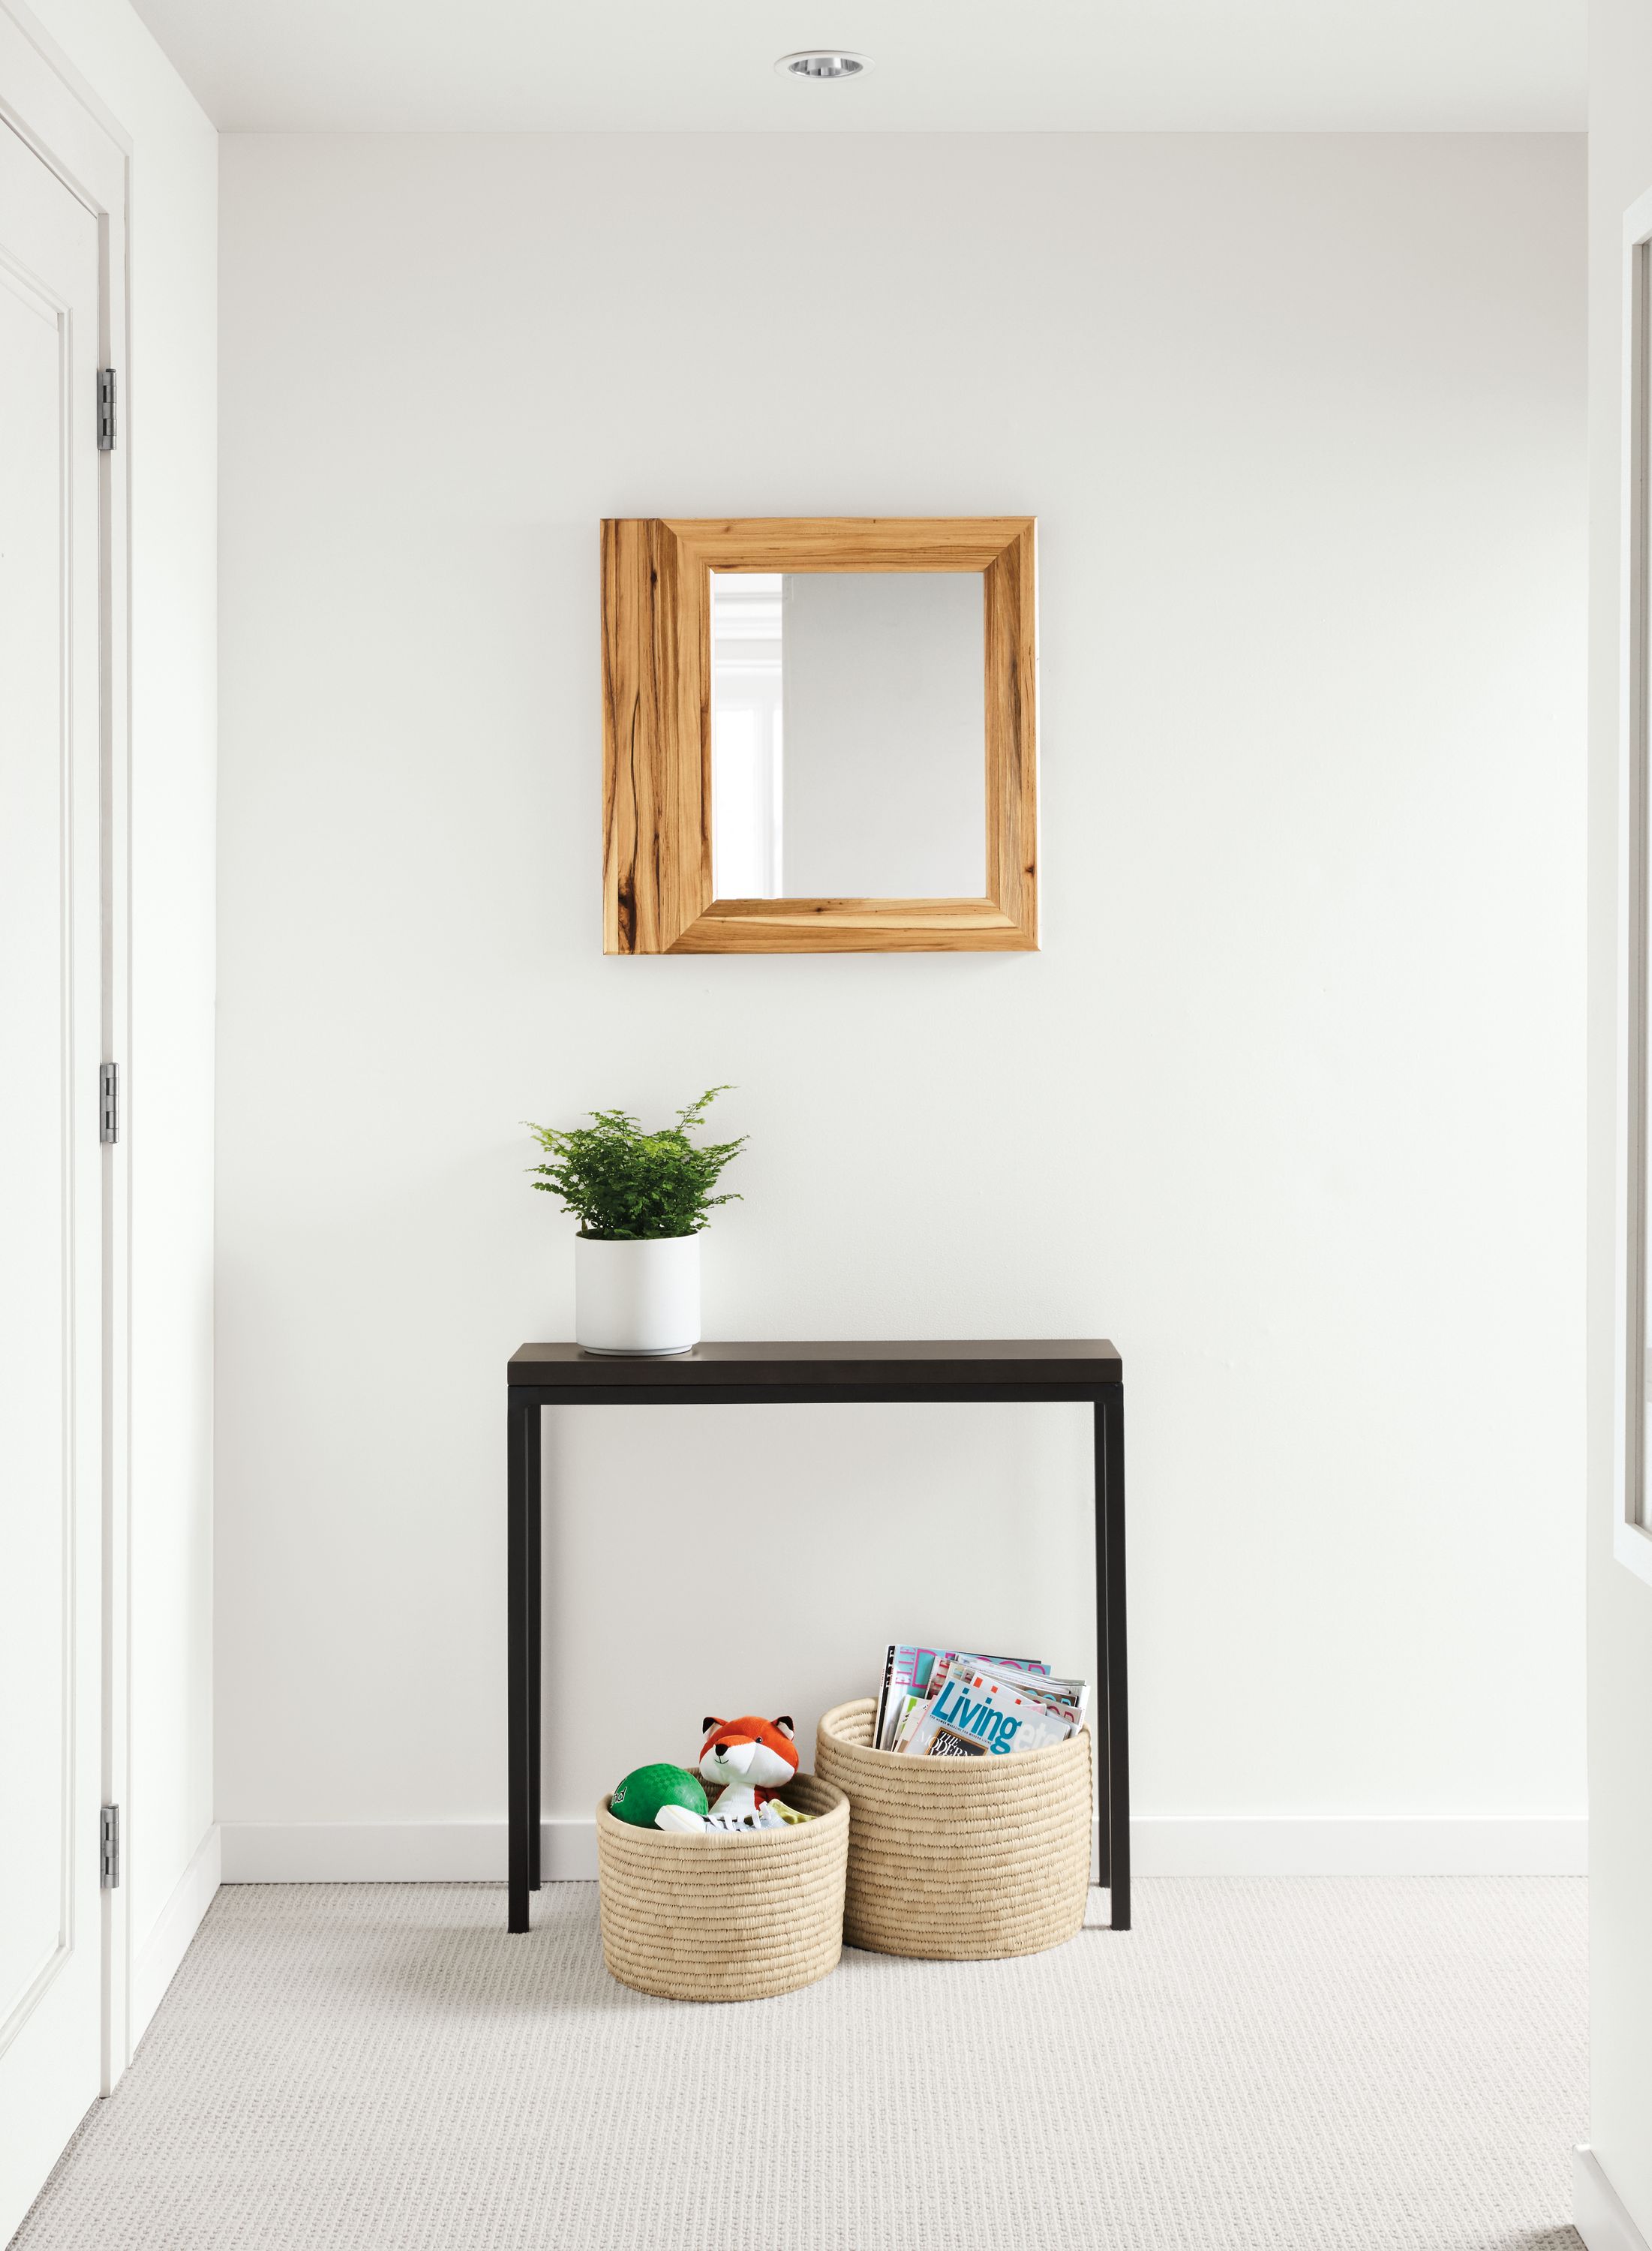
(51, 1258)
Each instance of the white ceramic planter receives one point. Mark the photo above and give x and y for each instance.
(637, 1297)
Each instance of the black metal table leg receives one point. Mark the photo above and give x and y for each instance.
(1101, 1704)
(1114, 1744)
(535, 1616)
(523, 1546)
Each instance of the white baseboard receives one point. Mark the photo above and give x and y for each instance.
(1396, 1846)
(409, 1853)
(155, 1962)
(1597, 2212)
(473, 1852)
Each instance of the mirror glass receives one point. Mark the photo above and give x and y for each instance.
(849, 731)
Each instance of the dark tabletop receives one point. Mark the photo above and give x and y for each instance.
(1003, 1363)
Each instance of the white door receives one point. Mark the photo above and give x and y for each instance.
(51, 1223)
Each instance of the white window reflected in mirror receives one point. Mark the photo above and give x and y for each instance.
(747, 718)
(848, 735)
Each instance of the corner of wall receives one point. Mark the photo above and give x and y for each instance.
(1597, 2212)
(157, 1959)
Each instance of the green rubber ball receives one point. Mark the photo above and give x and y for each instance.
(642, 1793)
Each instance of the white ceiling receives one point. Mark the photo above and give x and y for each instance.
(959, 65)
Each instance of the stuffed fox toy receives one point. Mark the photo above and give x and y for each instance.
(752, 1761)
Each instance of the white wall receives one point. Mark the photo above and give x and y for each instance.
(168, 425)
(1619, 1605)
(1290, 1105)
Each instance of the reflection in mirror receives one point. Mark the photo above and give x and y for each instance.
(746, 842)
(848, 730)
(1639, 1200)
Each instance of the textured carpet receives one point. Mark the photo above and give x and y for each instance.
(1293, 2065)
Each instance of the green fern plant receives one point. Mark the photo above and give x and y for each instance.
(625, 1186)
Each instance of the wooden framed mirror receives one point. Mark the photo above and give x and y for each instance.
(820, 735)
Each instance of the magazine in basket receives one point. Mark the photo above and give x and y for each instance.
(953, 1704)
(909, 1671)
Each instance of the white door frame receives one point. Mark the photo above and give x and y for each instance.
(45, 100)
(1631, 1533)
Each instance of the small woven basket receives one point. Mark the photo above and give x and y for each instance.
(959, 1860)
(734, 1918)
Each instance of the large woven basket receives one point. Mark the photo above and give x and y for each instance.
(959, 1860)
(726, 1918)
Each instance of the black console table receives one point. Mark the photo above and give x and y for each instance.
(562, 1375)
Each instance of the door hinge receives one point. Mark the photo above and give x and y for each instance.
(109, 1102)
(106, 410)
(109, 1848)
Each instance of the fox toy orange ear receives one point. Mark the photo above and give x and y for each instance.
(707, 1725)
(784, 1724)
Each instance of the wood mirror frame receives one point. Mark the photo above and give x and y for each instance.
(656, 687)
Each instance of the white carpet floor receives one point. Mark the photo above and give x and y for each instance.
(1301, 2065)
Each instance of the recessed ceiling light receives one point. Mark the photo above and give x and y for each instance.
(823, 63)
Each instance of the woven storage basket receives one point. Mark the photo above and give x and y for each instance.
(726, 1918)
(959, 1860)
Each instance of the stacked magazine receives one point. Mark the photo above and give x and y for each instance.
(949, 1703)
